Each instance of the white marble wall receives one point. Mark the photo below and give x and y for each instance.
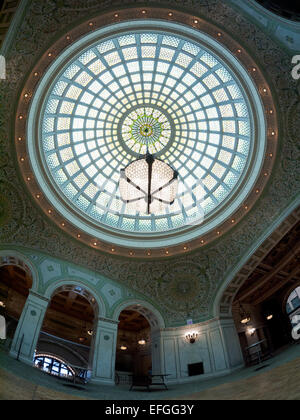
(217, 347)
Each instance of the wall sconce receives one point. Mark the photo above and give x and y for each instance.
(123, 348)
(191, 337)
(269, 317)
(90, 332)
(142, 342)
(2, 304)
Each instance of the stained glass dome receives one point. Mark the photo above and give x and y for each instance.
(146, 87)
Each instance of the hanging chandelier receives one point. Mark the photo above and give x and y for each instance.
(148, 184)
(245, 317)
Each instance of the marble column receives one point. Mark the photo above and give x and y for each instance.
(28, 329)
(104, 357)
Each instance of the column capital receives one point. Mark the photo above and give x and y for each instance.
(108, 320)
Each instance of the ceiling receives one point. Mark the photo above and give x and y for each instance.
(216, 112)
(278, 270)
(93, 113)
(73, 305)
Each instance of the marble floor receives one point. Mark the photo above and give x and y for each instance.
(279, 379)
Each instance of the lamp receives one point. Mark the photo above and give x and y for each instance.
(191, 337)
(245, 317)
(148, 184)
(142, 342)
(123, 344)
(251, 331)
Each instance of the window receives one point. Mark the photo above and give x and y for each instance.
(195, 108)
(53, 366)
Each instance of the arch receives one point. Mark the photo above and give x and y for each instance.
(56, 358)
(152, 315)
(231, 285)
(15, 258)
(63, 284)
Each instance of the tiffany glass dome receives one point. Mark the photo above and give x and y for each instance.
(173, 89)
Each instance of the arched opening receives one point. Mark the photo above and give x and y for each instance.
(269, 299)
(15, 284)
(54, 366)
(134, 350)
(68, 328)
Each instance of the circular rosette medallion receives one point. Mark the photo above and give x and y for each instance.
(147, 127)
(185, 288)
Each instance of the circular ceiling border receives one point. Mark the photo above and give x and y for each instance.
(195, 22)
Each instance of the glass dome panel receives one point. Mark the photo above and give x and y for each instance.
(146, 88)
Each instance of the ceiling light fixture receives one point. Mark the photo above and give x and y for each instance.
(148, 184)
(251, 331)
(245, 317)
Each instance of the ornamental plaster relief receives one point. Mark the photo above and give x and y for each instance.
(49, 270)
(111, 293)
